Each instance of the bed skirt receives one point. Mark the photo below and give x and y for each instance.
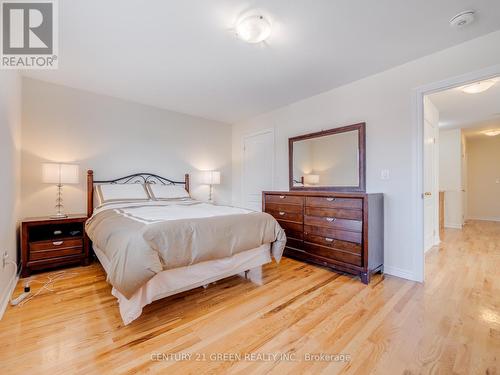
(177, 280)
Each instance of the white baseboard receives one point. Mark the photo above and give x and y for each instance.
(437, 241)
(429, 248)
(399, 272)
(484, 218)
(453, 226)
(4, 300)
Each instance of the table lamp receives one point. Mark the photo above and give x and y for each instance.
(311, 179)
(60, 174)
(210, 178)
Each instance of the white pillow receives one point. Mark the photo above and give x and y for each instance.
(159, 191)
(121, 192)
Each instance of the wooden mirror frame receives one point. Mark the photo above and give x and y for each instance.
(361, 187)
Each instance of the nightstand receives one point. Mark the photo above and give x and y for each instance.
(49, 243)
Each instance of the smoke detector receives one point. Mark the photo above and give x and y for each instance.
(463, 19)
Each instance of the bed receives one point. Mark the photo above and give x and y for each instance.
(153, 240)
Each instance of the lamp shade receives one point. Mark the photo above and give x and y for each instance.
(311, 179)
(57, 173)
(210, 178)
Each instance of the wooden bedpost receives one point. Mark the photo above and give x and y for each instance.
(90, 192)
(186, 181)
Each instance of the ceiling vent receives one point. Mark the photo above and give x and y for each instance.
(463, 19)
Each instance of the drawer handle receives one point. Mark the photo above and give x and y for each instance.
(330, 219)
(282, 197)
(57, 243)
(282, 213)
(328, 239)
(330, 199)
(57, 232)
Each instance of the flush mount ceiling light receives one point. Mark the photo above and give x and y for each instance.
(492, 133)
(253, 29)
(463, 19)
(477, 87)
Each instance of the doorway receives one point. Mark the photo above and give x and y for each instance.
(460, 154)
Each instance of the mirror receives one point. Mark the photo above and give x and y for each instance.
(328, 160)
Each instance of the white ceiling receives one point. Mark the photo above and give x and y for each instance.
(181, 55)
(472, 112)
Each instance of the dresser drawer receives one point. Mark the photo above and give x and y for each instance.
(295, 243)
(334, 202)
(290, 227)
(334, 254)
(350, 247)
(333, 233)
(340, 213)
(290, 208)
(283, 198)
(334, 223)
(287, 216)
(55, 245)
(294, 234)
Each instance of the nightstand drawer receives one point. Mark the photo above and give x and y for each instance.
(55, 253)
(56, 244)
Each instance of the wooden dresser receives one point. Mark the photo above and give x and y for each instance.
(344, 231)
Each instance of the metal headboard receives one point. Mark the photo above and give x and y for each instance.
(136, 178)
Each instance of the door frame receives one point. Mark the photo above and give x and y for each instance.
(435, 177)
(244, 137)
(418, 147)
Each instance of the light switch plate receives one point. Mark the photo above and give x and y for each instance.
(385, 174)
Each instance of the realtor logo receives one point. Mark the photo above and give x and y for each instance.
(29, 34)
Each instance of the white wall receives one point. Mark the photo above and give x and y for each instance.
(483, 168)
(10, 125)
(451, 177)
(114, 138)
(384, 102)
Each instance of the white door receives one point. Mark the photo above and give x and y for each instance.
(258, 167)
(431, 189)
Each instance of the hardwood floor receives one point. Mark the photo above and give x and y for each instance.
(450, 325)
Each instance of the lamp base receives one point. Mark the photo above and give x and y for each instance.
(59, 216)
